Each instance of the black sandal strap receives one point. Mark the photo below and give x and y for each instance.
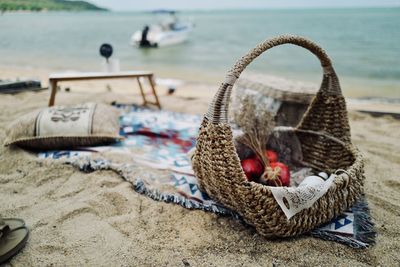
(4, 229)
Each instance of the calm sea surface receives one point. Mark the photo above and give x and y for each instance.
(363, 43)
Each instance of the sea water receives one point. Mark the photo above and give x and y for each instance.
(364, 44)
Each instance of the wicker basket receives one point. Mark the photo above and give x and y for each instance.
(324, 134)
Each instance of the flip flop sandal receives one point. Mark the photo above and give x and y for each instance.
(11, 222)
(13, 237)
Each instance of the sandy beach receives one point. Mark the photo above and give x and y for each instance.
(97, 219)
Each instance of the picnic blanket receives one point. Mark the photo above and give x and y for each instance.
(160, 140)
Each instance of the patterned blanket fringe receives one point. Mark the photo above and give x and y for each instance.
(364, 226)
(85, 164)
(337, 238)
(141, 188)
(365, 233)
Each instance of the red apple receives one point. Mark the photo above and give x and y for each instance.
(284, 175)
(252, 168)
(271, 155)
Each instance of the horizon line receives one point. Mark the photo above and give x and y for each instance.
(257, 8)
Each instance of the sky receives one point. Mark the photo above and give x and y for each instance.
(128, 5)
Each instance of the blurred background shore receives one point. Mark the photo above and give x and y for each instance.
(363, 43)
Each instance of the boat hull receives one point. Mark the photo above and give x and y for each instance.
(157, 38)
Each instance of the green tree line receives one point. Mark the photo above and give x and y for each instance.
(40, 5)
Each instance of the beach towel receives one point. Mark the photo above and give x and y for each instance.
(160, 140)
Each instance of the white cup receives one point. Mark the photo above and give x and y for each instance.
(112, 65)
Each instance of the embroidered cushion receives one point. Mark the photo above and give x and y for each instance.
(62, 127)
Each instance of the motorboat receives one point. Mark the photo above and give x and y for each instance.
(170, 31)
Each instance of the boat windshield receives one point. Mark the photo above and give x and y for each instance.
(169, 23)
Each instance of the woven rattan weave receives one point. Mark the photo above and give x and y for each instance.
(324, 134)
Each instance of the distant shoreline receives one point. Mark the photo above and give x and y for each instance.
(49, 11)
(205, 10)
(47, 5)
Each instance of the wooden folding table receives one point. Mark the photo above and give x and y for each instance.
(77, 76)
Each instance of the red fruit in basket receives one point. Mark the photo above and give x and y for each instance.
(252, 168)
(271, 155)
(284, 175)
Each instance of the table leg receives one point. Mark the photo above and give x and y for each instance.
(141, 91)
(53, 87)
(154, 91)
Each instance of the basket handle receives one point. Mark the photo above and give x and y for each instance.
(218, 109)
(327, 113)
